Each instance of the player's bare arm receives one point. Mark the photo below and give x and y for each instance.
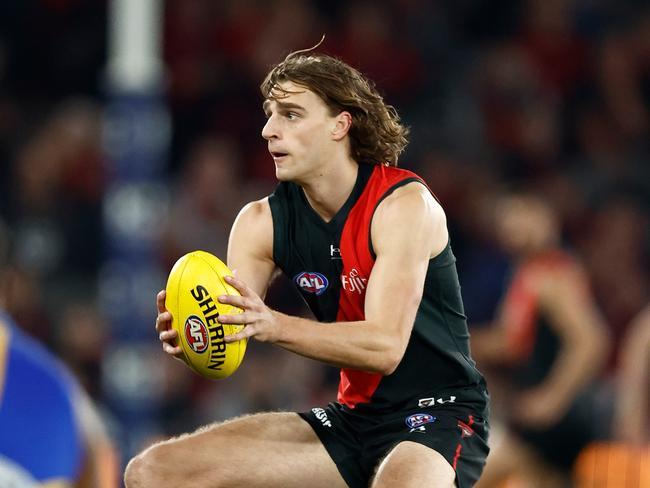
(408, 229)
(631, 419)
(574, 317)
(250, 256)
(250, 247)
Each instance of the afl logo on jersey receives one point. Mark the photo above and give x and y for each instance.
(311, 282)
(196, 334)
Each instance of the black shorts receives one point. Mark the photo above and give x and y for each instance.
(357, 442)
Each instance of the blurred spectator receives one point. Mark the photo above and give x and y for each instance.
(209, 194)
(369, 40)
(552, 341)
(615, 248)
(82, 338)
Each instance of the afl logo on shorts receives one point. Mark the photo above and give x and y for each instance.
(196, 334)
(311, 282)
(418, 419)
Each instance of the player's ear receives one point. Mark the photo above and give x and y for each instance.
(342, 124)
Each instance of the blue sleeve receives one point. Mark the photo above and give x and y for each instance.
(38, 421)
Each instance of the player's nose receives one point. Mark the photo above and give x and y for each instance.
(270, 129)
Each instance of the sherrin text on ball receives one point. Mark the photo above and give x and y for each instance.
(193, 287)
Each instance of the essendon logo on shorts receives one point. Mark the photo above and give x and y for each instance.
(465, 429)
(196, 334)
(311, 282)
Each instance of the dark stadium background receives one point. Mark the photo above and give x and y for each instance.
(546, 95)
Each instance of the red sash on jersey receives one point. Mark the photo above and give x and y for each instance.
(358, 386)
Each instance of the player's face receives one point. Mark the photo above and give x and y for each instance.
(298, 132)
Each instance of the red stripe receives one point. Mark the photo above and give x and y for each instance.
(457, 455)
(359, 386)
(459, 447)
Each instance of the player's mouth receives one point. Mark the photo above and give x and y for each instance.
(278, 155)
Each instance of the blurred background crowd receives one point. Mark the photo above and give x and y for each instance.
(551, 96)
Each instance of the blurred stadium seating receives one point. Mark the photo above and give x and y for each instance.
(548, 96)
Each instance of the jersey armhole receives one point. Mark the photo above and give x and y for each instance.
(279, 223)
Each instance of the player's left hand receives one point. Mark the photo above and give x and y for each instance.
(538, 408)
(259, 320)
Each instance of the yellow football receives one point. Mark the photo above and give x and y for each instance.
(193, 287)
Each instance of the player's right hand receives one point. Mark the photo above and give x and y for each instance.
(166, 334)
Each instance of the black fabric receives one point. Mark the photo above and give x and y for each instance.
(357, 442)
(303, 241)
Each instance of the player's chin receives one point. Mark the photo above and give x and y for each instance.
(283, 174)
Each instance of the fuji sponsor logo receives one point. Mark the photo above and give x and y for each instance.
(352, 282)
(311, 282)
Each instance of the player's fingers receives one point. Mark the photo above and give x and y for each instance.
(163, 321)
(171, 350)
(240, 318)
(168, 335)
(238, 301)
(239, 285)
(160, 301)
(246, 333)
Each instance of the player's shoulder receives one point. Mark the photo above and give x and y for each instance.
(411, 198)
(256, 212)
(253, 229)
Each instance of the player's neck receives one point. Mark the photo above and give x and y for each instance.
(327, 192)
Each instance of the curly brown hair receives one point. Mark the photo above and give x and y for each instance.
(377, 135)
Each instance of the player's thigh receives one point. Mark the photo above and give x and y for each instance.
(263, 450)
(413, 465)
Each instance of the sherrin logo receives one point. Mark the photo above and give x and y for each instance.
(311, 282)
(196, 334)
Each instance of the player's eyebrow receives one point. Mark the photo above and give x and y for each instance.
(281, 105)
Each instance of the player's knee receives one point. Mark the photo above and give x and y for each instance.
(147, 469)
(134, 473)
(168, 465)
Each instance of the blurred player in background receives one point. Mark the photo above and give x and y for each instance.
(50, 434)
(551, 340)
(632, 420)
(624, 459)
(368, 248)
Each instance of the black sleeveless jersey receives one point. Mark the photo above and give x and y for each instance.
(330, 262)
